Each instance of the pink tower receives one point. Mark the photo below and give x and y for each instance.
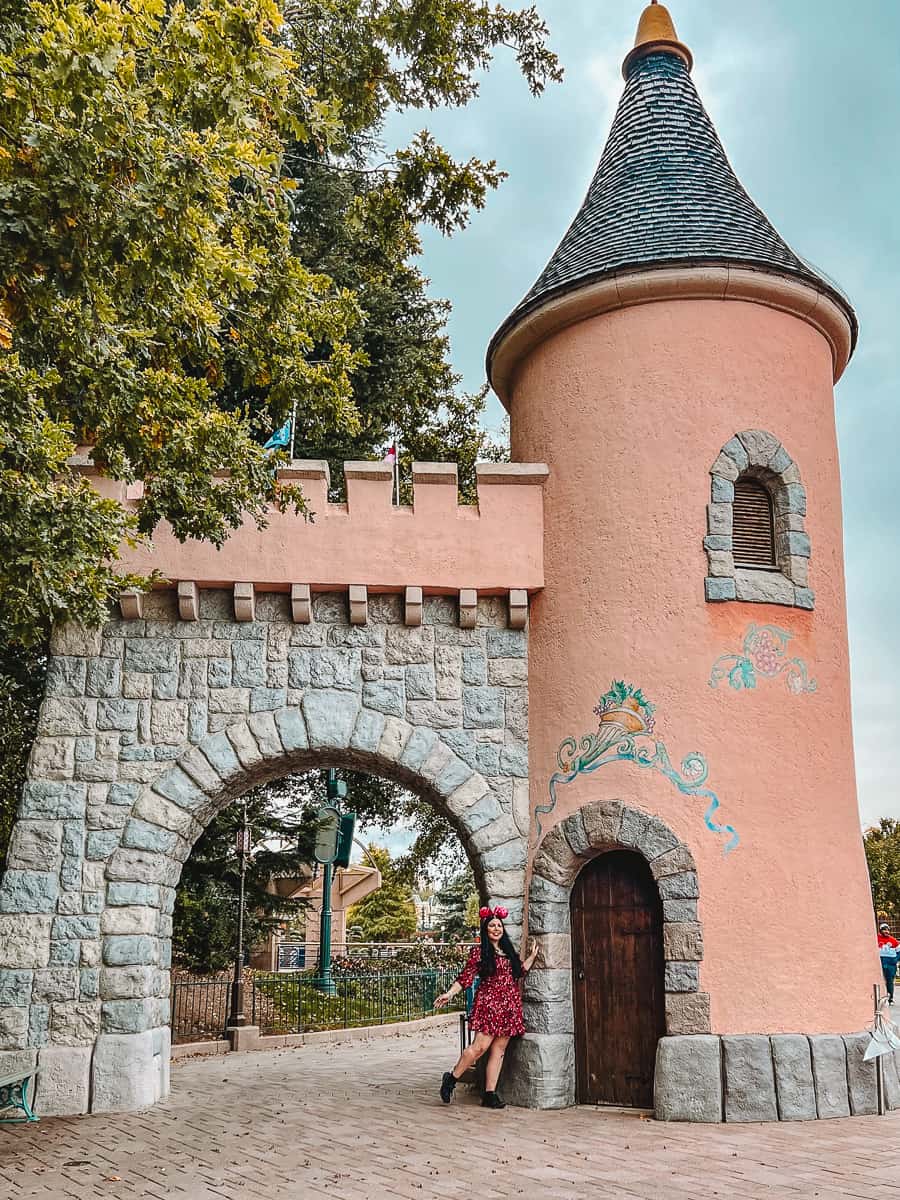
(697, 877)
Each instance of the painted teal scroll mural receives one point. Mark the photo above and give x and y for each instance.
(625, 716)
(763, 655)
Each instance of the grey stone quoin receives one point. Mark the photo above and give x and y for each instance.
(150, 726)
(759, 455)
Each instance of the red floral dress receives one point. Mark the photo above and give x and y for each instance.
(498, 1006)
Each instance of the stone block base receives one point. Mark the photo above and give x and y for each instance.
(243, 1037)
(687, 1084)
(539, 1071)
(785, 1077)
(130, 1070)
(64, 1081)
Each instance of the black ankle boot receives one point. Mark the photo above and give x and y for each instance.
(491, 1100)
(448, 1083)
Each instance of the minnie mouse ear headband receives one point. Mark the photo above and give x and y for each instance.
(487, 912)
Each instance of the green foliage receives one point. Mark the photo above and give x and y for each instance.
(22, 676)
(371, 998)
(473, 905)
(882, 846)
(204, 936)
(379, 802)
(405, 388)
(422, 955)
(197, 234)
(388, 914)
(459, 901)
(147, 249)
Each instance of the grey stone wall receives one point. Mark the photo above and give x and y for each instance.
(150, 726)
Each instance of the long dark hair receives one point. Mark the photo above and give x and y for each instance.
(489, 959)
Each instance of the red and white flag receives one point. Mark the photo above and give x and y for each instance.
(391, 456)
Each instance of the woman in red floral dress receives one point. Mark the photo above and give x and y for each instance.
(497, 1013)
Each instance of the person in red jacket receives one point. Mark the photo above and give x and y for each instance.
(888, 948)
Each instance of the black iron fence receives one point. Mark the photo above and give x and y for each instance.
(294, 955)
(199, 1008)
(298, 1003)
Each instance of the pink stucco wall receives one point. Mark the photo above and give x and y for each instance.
(630, 410)
(436, 543)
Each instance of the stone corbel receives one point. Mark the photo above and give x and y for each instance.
(518, 608)
(188, 601)
(412, 609)
(359, 604)
(468, 608)
(244, 602)
(131, 605)
(301, 604)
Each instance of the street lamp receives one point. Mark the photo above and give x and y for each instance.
(242, 845)
(334, 839)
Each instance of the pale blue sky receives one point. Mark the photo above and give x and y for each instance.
(805, 95)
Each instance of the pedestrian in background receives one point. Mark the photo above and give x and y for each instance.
(887, 948)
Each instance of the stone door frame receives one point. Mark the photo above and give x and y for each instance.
(543, 1062)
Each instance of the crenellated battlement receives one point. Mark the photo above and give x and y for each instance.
(435, 545)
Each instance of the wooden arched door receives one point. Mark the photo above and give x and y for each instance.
(618, 980)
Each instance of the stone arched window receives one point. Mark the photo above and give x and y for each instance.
(756, 543)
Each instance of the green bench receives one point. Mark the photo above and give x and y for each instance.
(14, 1095)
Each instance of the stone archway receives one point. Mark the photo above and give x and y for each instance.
(169, 815)
(150, 725)
(542, 1071)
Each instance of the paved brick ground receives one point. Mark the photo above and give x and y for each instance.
(363, 1122)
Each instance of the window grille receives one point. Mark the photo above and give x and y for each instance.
(754, 527)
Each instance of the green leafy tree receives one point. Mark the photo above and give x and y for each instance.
(457, 899)
(21, 689)
(388, 914)
(160, 289)
(204, 936)
(473, 904)
(380, 803)
(405, 389)
(147, 250)
(882, 846)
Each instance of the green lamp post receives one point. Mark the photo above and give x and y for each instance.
(334, 842)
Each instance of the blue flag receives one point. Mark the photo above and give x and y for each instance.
(281, 437)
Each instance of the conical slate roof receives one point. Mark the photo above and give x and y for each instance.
(663, 193)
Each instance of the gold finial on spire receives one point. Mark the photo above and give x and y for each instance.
(656, 32)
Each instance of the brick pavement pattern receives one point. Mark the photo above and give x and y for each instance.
(363, 1121)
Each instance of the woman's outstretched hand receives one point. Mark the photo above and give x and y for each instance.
(442, 1000)
(532, 955)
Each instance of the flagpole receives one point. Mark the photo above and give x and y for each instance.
(396, 470)
(293, 425)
